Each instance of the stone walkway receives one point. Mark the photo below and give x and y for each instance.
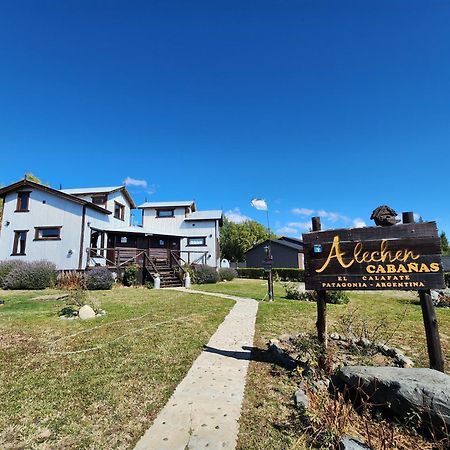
(204, 410)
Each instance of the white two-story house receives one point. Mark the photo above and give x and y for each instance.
(84, 227)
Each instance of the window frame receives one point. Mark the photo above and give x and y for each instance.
(38, 237)
(103, 196)
(17, 245)
(121, 206)
(19, 201)
(171, 210)
(203, 238)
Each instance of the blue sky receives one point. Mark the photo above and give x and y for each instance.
(317, 106)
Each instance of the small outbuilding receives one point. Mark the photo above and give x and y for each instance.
(286, 252)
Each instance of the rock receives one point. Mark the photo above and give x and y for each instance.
(349, 443)
(335, 336)
(365, 343)
(44, 434)
(301, 399)
(404, 361)
(280, 355)
(86, 312)
(402, 391)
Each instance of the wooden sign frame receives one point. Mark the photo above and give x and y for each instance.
(399, 257)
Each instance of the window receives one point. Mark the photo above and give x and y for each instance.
(20, 240)
(196, 241)
(119, 211)
(47, 233)
(23, 201)
(165, 213)
(99, 200)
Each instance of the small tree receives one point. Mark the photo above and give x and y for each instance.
(444, 244)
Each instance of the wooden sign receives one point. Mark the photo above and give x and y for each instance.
(399, 257)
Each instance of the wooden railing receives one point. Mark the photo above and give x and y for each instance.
(193, 257)
(115, 257)
(122, 256)
(175, 263)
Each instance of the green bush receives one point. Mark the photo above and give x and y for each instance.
(31, 275)
(283, 274)
(293, 292)
(99, 278)
(6, 267)
(290, 274)
(130, 275)
(205, 274)
(447, 278)
(337, 297)
(227, 274)
(250, 272)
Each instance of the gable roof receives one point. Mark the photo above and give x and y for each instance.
(101, 190)
(216, 214)
(291, 239)
(184, 203)
(297, 247)
(27, 183)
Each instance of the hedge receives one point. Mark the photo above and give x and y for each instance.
(285, 274)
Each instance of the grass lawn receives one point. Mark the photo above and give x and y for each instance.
(96, 384)
(267, 418)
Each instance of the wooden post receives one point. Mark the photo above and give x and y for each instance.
(429, 319)
(270, 285)
(321, 324)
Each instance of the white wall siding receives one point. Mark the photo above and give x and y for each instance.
(44, 210)
(201, 228)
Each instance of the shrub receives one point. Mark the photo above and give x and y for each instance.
(70, 280)
(337, 297)
(447, 278)
(289, 274)
(31, 275)
(205, 274)
(293, 292)
(6, 267)
(130, 275)
(190, 270)
(99, 278)
(227, 274)
(334, 297)
(283, 274)
(250, 272)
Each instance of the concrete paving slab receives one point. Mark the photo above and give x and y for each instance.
(204, 410)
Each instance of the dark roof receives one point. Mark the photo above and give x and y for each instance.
(291, 239)
(297, 247)
(32, 184)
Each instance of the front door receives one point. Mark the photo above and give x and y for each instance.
(110, 253)
(174, 245)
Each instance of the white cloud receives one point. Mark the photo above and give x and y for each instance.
(235, 215)
(417, 217)
(135, 182)
(287, 230)
(303, 211)
(332, 216)
(359, 223)
(300, 225)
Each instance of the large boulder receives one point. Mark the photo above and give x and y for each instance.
(401, 392)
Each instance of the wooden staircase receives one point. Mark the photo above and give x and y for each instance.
(167, 274)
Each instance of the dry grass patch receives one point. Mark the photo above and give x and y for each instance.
(98, 383)
(269, 419)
